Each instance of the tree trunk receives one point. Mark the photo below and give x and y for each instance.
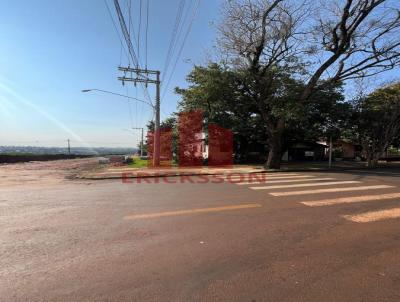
(275, 151)
(372, 160)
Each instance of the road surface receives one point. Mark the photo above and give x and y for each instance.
(295, 237)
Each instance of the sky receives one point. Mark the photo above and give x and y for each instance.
(52, 49)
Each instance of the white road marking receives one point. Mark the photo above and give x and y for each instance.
(354, 199)
(330, 183)
(273, 178)
(282, 181)
(253, 176)
(376, 172)
(193, 211)
(330, 190)
(374, 215)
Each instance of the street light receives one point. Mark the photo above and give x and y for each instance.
(118, 94)
(156, 110)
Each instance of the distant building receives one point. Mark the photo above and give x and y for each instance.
(348, 148)
(305, 151)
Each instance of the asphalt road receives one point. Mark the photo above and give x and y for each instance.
(302, 237)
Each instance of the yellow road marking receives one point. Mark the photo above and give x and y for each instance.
(330, 183)
(328, 202)
(194, 211)
(282, 181)
(331, 190)
(374, 215)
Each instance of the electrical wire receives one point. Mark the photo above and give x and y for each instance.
(178, 36)
(195, 10)
(147, 26)
(140, 28)
(128, 41)
(129, 3)
(173, 38)
(125, 33)
(116, 30)
(132, 31)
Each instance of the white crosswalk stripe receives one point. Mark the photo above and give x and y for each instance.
(295, 180)
(330, 190)
(307, 185)
(354, 199)
(374, 215)
(259, 176)
(265, 178)
(283, 181)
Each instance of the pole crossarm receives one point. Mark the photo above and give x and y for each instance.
(137, 80)
(137, 70)
(144, 79)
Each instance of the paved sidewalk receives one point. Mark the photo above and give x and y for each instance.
(117, 172)
(128, 172)
(336, 165)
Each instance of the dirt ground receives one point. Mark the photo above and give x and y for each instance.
(50, 172)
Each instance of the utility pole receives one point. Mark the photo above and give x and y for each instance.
(142, 76)
(157, 134)
(69, 147)
(141, 142)
(330, 152)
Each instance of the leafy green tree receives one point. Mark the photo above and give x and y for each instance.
(305, 45)
(377, 121)
(226, 95)
(218, 92)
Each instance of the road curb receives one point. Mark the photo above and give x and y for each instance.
(143, 174)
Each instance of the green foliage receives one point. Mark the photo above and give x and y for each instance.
(220, 94)
(138, 163)
(377, 120)
(17, 154)
(238, 100)
(337, 153)
(215, 90)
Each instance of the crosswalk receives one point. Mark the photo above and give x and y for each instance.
(306, 185)
(298, 184)
(330, 190)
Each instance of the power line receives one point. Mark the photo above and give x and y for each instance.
(132, 31)
(147, 26)
(173, 37)
(128, 41)
(116, 29)
(179, 34)
(129, 4)
(182, 46)
(140, 28)
(125, 33)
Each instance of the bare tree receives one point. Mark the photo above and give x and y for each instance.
(320, 43)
